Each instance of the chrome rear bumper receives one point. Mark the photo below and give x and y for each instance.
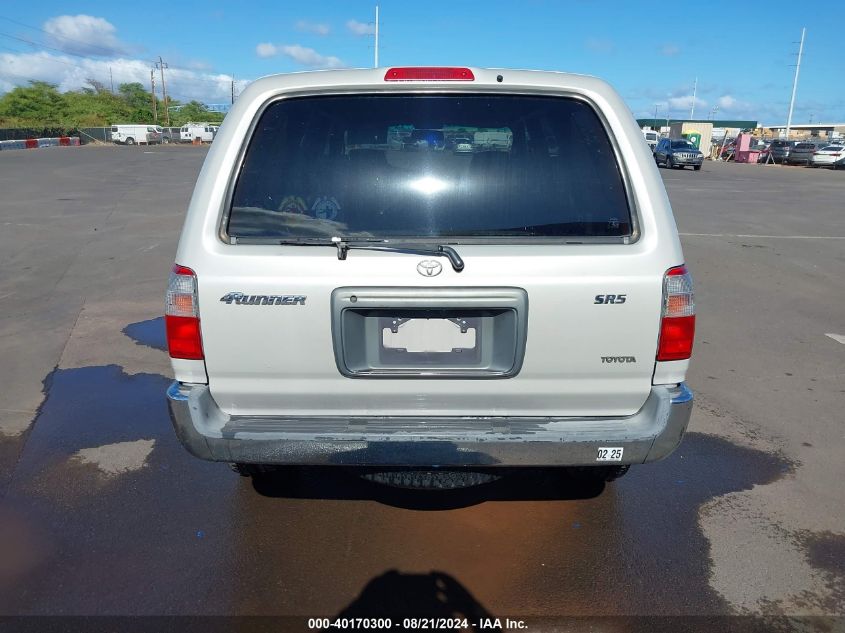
(208, 433)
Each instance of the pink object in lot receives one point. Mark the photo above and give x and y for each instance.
(744, 153)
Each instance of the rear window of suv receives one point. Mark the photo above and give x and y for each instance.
(387, 167)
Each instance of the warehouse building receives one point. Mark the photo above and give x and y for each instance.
(721, 127)
(827, 131)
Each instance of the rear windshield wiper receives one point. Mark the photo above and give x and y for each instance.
(439, 250)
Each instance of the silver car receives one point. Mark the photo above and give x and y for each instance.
(347, 293)
(802, 153)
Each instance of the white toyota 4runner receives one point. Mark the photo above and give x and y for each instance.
(430, 268)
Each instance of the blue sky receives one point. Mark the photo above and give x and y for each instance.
(742, 53)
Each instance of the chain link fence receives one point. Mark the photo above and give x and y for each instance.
(85, 134)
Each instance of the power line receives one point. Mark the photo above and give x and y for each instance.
(54, 59)
(93, 58)
(51, 58)
(52, 48)
(56, 35)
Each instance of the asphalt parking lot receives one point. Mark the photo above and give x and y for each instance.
(103, 512)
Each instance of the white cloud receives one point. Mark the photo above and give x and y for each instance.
(84, 35)
(72, 73)
(300, 54)
(266, 49)
(727, 102)
(670, 50)
(686, 102)
(315, 28)
(310, 57)
(360, 28)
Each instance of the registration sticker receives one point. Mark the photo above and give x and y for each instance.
(612, 454)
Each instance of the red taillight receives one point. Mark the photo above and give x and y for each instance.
(183, 337)
(676, 335)
(429, 73)
(181, 315)
(677, 325)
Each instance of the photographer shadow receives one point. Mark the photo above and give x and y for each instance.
(434, 595)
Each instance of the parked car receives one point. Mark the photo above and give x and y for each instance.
(651, 138)
(777, 151)
(678, 153)
(802, 153)
(827, 156)
(170, 135)
(368, 304)
(191, 132)
(462, 145)
(136, 133)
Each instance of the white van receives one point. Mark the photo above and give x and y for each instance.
(341, 299)
(202, 131)
(132, 133)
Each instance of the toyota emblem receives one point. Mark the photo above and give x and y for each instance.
(429, 268)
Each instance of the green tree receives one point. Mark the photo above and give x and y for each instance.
(95, 106)
(193, 111)
(139, 102)
(38, 104)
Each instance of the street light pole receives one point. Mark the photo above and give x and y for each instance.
(694, 92)
(795, 84)
(376, 40)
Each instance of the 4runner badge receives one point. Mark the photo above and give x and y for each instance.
(241, 299)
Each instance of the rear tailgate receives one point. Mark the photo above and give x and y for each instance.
(581, 358)
(565, 252)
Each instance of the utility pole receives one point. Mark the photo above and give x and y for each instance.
(153, 90)
(795, 84)
(694, 92)
(111, 80)
(233, 89)
(162, 65)
(376, 42)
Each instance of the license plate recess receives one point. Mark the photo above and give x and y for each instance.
(429, 332)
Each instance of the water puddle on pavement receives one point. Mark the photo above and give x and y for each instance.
(130, 523)
(143, 527)
(532, 542)
(150, 333)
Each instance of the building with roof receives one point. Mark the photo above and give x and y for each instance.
(717, 123)
(720, 129)
(807, 130)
